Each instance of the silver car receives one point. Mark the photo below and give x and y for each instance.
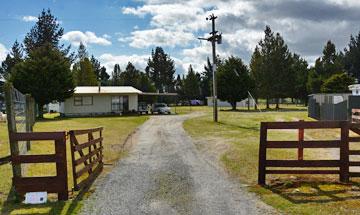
(160, 108)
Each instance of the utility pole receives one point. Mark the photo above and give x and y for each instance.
(214, 38)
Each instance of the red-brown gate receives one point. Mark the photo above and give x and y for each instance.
(51, 184)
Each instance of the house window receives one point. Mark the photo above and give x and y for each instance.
(83, 100)
(119, 103)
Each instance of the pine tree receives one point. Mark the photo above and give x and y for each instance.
(352, 57)
(191, 87)
(161, 70)
(47, 30)
(46, 75)
(83, 69)
(14, 57)
(115, 79)
(130, 76)
(206, 80)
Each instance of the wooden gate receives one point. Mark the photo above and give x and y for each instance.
(91, 162)
(354, 127)
(342, 164)
(51, 184)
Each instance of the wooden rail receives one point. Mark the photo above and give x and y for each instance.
(92, 162)
(342, 164)
(52, 184)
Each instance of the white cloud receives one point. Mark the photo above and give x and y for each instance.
(29, 18)
(106, 36)
(3, 52)
(305, 25)
(108, 60)
(75, 37)
(158, 37)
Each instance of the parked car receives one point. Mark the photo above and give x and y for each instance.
(195, 102)
(143, 108)
(160, 108)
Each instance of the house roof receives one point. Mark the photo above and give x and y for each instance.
(354, 87)
(106, 90)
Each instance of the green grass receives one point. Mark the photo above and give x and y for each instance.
(116, 129)
(235, 139)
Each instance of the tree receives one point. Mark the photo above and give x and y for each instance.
(130, 76)
(270, 65)
(84, 73)
(299, 67)
(100, 71)
(46, 75)
(234, 81)
(83, 69)
(115, 76)
(144, 83)
(161, 70)
(352, 57)
(14, 57)
(206, 80)
(337, 83)
(179, 87)
(328, 64)
(47, 30)
(191, 85)
(82, 52)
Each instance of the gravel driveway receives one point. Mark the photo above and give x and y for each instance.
(165, 174)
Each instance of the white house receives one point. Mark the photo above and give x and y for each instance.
(101, 100)
(355, 89)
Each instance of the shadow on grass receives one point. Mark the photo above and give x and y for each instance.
(252, 128)
(71, 206)
(317, 192)
(265, 110)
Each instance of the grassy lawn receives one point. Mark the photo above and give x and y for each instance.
(116, 129)
(235, 139)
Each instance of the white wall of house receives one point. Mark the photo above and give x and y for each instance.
(101, 104)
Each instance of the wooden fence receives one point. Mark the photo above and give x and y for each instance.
(87, 166)
(51, 184)
(342, 164)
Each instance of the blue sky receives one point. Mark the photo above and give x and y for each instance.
(118, 31)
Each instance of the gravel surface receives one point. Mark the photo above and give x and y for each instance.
(165, 174)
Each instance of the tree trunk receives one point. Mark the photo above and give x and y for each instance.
(267, 103)
(233, 105)
(41, 111)
(255, 105)
(277, 103)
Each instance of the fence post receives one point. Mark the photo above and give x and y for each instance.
(344, 152)
(301, 140)
(61, 166)
(28, 118)
(262, 154)
(11, 123)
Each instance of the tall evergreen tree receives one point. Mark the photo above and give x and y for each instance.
(191, 86)
(352, 57)
(47, 30)
(327, 65)
(14, 57)
(271, 64)
(83, 69)
(161, 70)
(206, 80)
(299, 67)
(130, 76)
(46, 75)
(100, 71)
(115, 76)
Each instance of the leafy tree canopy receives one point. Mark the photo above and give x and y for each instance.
(233, 81)
(337, 83)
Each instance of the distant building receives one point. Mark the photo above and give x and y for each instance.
(334, 106)
(101, 100)
(243, 103)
